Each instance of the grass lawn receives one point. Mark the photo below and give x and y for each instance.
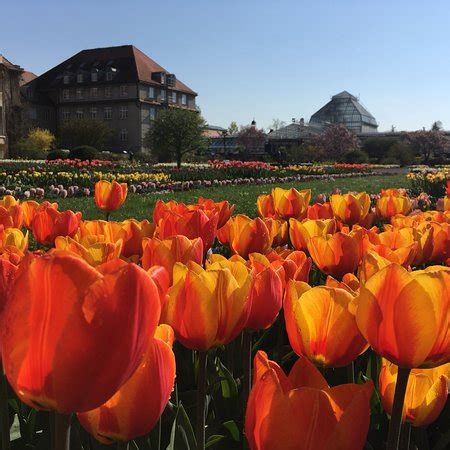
(140, 206)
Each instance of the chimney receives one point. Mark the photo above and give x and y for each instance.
(293, 120)
(302, 121)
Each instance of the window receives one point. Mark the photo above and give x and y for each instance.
(66, 94)
(94, 92)
(80, 78)
(94, 76)
(163, 95)
(93, 112)
(108, 113)
(66, 79)
(151, 92)
(123, 112)
(107, 91)
(183, 99)
(163, 78)
(123, 90)
(79, 93)
(109, 76)
(79, 114)
(66, 115)
(174, 97)
(152, 113)
(124, 135)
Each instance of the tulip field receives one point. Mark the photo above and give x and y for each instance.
(312, 315)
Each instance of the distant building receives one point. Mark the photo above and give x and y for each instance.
(345, 108)
(213, 131)
(11, 76)
(119, 85)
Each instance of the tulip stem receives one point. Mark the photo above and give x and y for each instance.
(201, 399)
(405, 436)
(351, 372)
(395, 424)
(107, 215)
(62, 432)
(247, 339)
(4, 410)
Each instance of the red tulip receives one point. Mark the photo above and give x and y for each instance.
(110, 196)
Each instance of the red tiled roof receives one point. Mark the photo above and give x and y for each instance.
(26, 77)
(8, 64)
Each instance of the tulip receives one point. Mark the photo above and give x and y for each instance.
(350, 208)
(393, 203)
(301, 412)
(349, 282)
(405, 315)
(335, 254)
(297, 266)
(371, 263)
(92, 250)
(169, 251)
(300, 233)
(265, 206)
(320, 211)
(136, 407)
(403, 255)
(321, 324)
(278, 230)
(223, 208)
(11, 214)
(162, 208)
(440, 240)
(110, 196)
(290, 203)
(244, 235)
(191, 223)
(132, 232)
(8, 273)
(426, 392)
(72, 335)
(13, 244)
(207, 308)
(48, 223)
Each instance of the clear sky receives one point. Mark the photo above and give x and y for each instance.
(260, 59)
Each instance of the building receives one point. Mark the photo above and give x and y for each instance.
(345, 108)
(119, 85)
(11, 76)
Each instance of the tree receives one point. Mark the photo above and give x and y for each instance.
(78, 132)
(251, 138)
(437, 126)
(174, 133)
(336, 140)
(41, 139)
(233, 128)
(277, 124)
(378, 147)
(426, 142)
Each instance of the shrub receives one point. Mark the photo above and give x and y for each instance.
(24, 149)
(84, 152)
(144, 157)
(399, 153)
(84, 132)
(41, 139)
(356, 156)
(57, 154)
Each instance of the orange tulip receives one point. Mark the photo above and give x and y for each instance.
(8, 273)
(335, 254)
(11, 214)
(110, 196)
(405, 315)
(13, 244)
(426, 392)
(92, 250)
(244, 235)
(392, 203)
(265, 206)
(350, 208)
(48, 223)
(320, 211)
(223, 208)
(321, 324)
(73, 335)
(170, 251)
(371, 263)
(290, 202)
(29, 208)
(301, 412)
(208, 308)
(441, 240)
(191, 223)
(300, 232)
(132, 232)
(278, 230)
(136, 407)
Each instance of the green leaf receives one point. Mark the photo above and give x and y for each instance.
(231, 426)
(227, 382)
(214, 439)
(182, 434)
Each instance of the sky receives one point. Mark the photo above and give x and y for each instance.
(260, 59)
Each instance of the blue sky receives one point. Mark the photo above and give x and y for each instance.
(260, 59)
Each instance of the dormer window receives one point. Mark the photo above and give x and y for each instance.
(94, 76)
(66, 79)
(80, 78)
(163, 78)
